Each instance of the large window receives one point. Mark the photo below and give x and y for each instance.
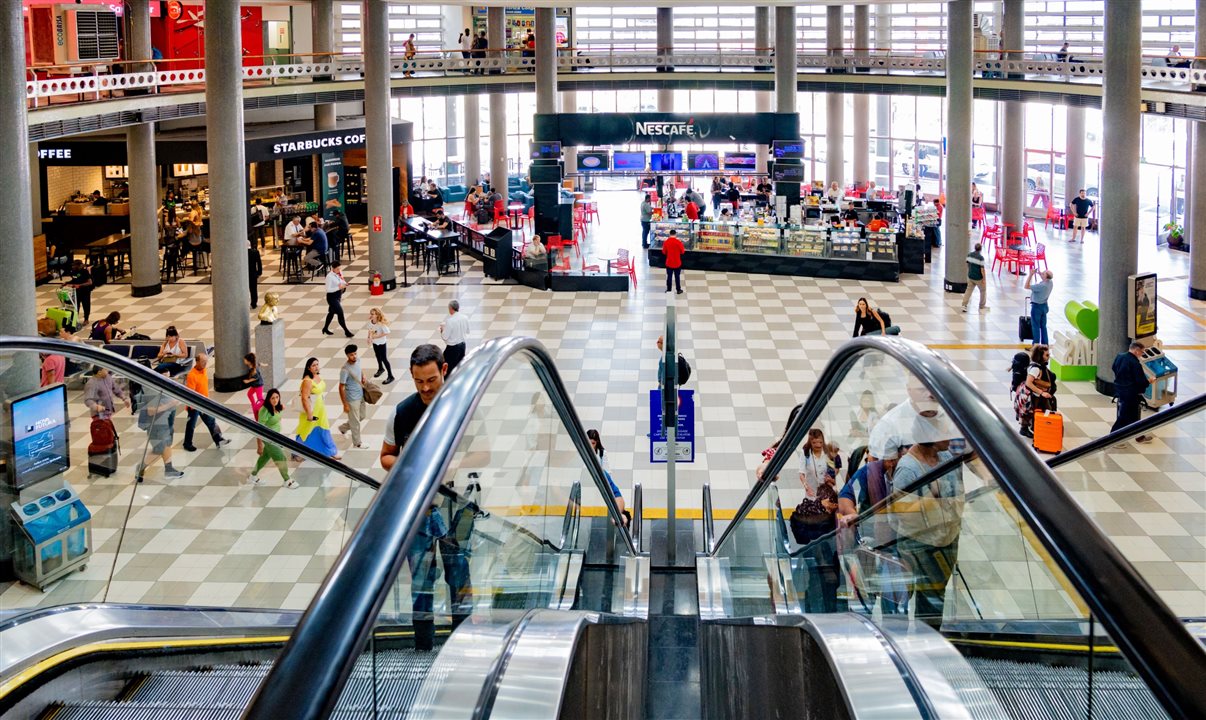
(425, 21)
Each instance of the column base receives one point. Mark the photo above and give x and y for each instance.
(953, 286)
(229, 385)
(147, 291)
(391, 284)
(1105, 387)
(1197, 293)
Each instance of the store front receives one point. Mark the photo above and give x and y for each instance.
(85, 196)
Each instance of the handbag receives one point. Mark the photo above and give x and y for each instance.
(372, 393)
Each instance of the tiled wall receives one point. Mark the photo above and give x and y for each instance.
(61, 182)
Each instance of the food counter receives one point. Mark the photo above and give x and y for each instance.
(809, 250)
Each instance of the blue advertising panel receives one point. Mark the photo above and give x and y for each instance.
(685, 435)
(39, 427)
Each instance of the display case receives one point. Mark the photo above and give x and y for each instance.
(881, 245)
(807, 241)
(716, 237)
(762, 239)
(845, 243)
(659, 231)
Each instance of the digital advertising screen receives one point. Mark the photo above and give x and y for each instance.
(665, 161)
(788, 173)
(629, 160)
(593, 161)
(39, 423)
(740, 161)
(788, 149)
(703, 161)
(545, 150)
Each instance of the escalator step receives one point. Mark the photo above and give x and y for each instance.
(1035, 690)
(112, 710)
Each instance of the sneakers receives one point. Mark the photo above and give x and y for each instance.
(253, 479)
(291, 484)
(221, 442)
(389, 379)
(359, 446)
(1145, 439)
(379, 373)
(173, 474)
(680, 292)
(343, 429)
(190, 448)
(963, 308)
(138, 471)
(985, 308)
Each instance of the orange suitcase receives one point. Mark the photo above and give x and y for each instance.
(1048, 431)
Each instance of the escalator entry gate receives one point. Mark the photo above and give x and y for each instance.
(54, 536)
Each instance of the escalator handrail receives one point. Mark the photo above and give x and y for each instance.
(1152, 422)
(316, 663)
(127, 368)
(1149, 634)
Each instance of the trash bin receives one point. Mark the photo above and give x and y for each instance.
(54, 536)
(499, 240)
(1157, 365)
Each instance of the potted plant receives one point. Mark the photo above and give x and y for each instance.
(1174, 234)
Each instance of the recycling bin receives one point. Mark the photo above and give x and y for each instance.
(54, 536)
(1157, 365)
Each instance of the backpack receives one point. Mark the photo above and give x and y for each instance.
(885, 317)
(104, 436)
(684, 370)
(1017, 369)
(99, 275)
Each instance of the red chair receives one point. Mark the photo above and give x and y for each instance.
(632, 274)
(1029, 233)
(1040, 255)
(532, 217)
(1001, 254)
(978, 215)
(623, 262)
(500, 212)
(591, 210)
(555, 244)
(1055, 215)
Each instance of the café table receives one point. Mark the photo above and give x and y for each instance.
(516, 212)
(609, 260)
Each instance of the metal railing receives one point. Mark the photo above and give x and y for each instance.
(314, 666)
(96, 81)
(1149, 634)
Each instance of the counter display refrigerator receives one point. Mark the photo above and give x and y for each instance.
(809, 251)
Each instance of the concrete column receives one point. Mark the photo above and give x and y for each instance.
(322, 19)
(960, 65)
(144, 185)
(762, 99)
(546, 60)
(144, 209)
(473, 139)
(16, 250)
(1120, 196)
(1074, 158)
(785, 59)
(835, 104)
(665, 47)
(496, 33)
(1195, 186)
(569, 104)
(378, 140)
(35, 190)
(883, 103)
(862, 101)
(227, 192)
(1013, 140)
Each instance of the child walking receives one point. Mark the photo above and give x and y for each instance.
(270, 417)
(254, 381)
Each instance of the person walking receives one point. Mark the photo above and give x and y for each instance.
(81, 282)
(351, 394)
(1130, 382)
(254, 382)
(646, 220)
(255, 268)
(1037, 392)
(379, 337)
(270, 417)
(313, 428)
(158, 418)
(1040, 293)
(336, 285)
(408, 52)
(259, 223)
(673, 247)
(465, 40)
(1080, 206)
(975, 279)
(101, 391)
(197, 380)
(454, 330)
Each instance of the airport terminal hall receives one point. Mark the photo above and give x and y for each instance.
(599, 360)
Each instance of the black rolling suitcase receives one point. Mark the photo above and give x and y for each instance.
(1025, 329)
(103, 464)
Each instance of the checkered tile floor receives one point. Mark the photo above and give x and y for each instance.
(756, 343)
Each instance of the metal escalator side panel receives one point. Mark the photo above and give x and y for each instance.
(951, 686)
(868, 675)
(631, 594)
(455, 685)
(713, 577)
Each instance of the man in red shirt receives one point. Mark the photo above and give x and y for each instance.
(673, 247)
(691, 211)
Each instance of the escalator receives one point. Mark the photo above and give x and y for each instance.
(540, 596)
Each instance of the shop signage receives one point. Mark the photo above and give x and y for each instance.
(283, 146)
(376, 223)
(599, 129)
(60, 153)
(684, 434)
(351, 140)
(332, 185)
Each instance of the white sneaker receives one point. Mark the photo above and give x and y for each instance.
(985, 309)
(963, 309)
(255, 479)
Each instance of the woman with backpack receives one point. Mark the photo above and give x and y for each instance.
(106, 330)
(869, 321)
(1037, 391)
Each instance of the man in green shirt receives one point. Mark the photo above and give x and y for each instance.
(975, 278)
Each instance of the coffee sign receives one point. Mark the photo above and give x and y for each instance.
(598, 129)
(673, 130)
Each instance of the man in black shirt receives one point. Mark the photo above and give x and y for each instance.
(81, 280)
(1081, 205)
(1130, 382)
(427, 369)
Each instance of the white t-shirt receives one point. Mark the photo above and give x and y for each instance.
(895, 428)
(382, 329)
(292, 230)
(456, 329)
(813, 468)
(335, 282)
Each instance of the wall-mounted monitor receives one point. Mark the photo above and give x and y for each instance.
(703, 161)
(593, 161)
(788, 173)
(628, 160)
(788, 149)
(740, 161)
(545, 150)
(665, 161)
(39, 436)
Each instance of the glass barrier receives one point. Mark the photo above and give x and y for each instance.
(886, 511)
(158, 522)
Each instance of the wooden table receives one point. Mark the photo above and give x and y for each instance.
(105, 250)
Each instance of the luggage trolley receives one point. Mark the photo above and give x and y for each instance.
(67, 314)
(1157, 365)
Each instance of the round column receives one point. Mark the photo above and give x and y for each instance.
(1012, 190)
(835, 105)
(496, 33)
(665, 48)
(546, 60)
(378, 140)
(785, 59)
(960, 66)
(1074, 158)
(322, 19)
(16, 251)
(862, 101)
(143, 180)
(473, 139)
(1196, 230)
(762, 99)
